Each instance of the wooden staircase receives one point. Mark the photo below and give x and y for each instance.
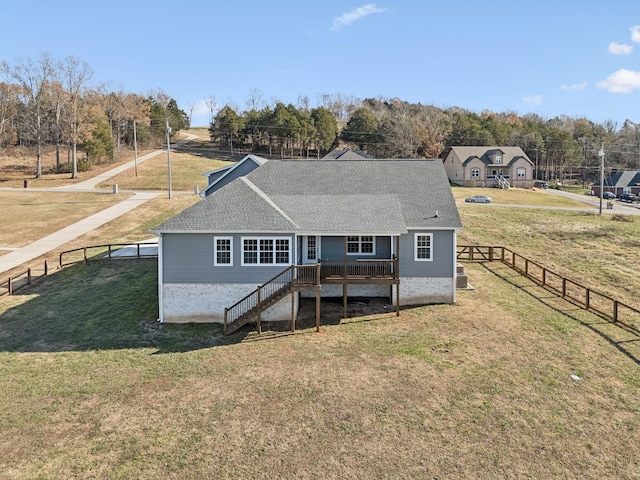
(249, 308)
(502, 182)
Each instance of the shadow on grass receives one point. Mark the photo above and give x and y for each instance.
(113, 304)
(551, 300)
(103, 305)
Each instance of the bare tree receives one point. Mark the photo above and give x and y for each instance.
(212, 105)
(191, 108)
(255, 101)
(9, 105)
(75, 75)
(33, 77)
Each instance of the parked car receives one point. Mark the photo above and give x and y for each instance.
(629, 198)
(540, 184)
(608, 195)
(478, 199)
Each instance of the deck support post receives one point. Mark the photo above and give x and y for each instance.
(318, 308)
(293, 313)
(398, 299)
(259, 324)
(344, 299)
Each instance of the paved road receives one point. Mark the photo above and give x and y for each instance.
(591, 204)
(90, 184)
(618, 207)
(40, 247)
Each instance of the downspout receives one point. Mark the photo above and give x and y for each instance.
(160, 281)
(455, 262)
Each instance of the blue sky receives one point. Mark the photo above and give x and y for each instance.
(577, 58)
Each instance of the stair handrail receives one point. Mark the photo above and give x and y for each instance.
(264, 292)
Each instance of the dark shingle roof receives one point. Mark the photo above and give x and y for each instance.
(346, 154)
(381, 196)
(630, 178)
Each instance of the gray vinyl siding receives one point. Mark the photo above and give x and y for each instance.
(442, 250)
(239, 171)
(332, 248)
(216, 176)
(188, 258)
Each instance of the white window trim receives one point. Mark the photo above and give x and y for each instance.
(523, 170)
(415, 247)
(215, 252)
(474, 170)
(359, 252)
(258, 263)
(497, 159)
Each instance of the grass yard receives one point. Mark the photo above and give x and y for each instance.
(93, 387)
(517, 196)
(599, 252)
(186, 171)
(188, 163)
(33, 215)
(18, 165)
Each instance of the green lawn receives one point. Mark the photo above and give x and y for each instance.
(510, 382)
(94, 387)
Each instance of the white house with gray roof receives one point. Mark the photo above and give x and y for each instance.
(331, 228)
(489, 167)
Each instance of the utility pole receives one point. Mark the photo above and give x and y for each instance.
(135, 149)
(168, 131)
(601, 155)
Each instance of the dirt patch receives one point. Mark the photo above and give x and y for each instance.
(332, 311)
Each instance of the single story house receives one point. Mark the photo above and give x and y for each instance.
(489, 167)
(619, 183)
(290, 228)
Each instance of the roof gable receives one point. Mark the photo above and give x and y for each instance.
(224, 175)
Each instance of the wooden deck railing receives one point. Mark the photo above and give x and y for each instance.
(358, 269)
(615, 311)
(257, 301)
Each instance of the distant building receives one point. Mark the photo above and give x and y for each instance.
(489, 167)
(346, 154)
(619, 183)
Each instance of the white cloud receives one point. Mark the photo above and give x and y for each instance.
(635, 34)
(354, 15)
(533, 100)
(616, 48)
(622, 81)
(574, 86)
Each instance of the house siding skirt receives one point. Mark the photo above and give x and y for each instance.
(205, 303)
(423, 291)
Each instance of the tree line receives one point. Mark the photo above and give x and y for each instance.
(54, 102)
(560, 147)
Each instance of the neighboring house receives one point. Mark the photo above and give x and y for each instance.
(489, 167)
(291, 228)
(346, 154)
(619, 183)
